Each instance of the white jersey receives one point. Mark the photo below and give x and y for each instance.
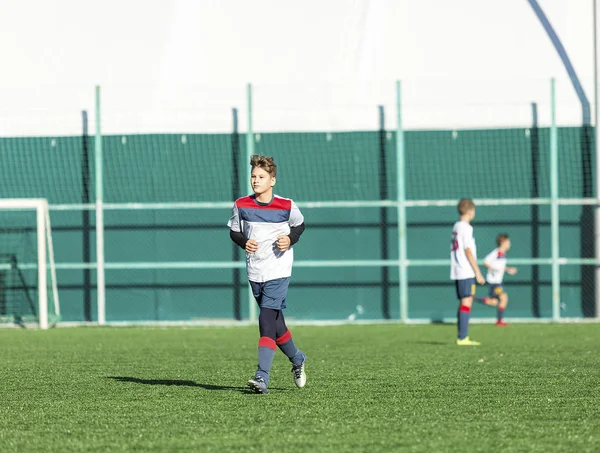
(462, 239)
(496, 259)
(263, 223)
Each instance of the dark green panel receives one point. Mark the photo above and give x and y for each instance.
(342, 166)
(44, 167)
(477, 164)
(167, 168)
(334, 166)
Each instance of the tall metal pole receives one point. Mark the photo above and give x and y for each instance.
(99, 217)
(85, 199)
(42, 266)
(235, 190)
(554, 205)
(597, 137)
(249, 152)
(383, 216)
(401, 195)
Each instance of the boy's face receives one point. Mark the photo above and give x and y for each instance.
(505, 245)
(470, 214)
(262, 181)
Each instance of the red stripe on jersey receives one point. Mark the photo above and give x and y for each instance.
(287, 336)
(280, 204)
(246, 202)
(501, 255)
(266, 342)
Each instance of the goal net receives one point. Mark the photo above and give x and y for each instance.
(28, 290)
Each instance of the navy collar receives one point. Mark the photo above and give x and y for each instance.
(263, 204)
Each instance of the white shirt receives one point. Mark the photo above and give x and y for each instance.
(264, 223)
(462, 239)
(496, 259)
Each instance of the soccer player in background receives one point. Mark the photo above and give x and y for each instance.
(464, 269)
(267, 226)
(495, 262)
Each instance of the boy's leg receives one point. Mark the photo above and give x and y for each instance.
(501, 307)
(271, 297)
(286, 343)
(266, 343)
(492, 299)
(287, 346)
(464, 313)
(465, 291)
(489, 301)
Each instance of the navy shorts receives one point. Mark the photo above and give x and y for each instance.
(271, 294)
(496, 289)
(465, 288)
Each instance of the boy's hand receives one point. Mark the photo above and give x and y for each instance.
(251, 246)
(511, 270)
(283, 243)
(479, 278)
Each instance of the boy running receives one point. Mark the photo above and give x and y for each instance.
(464, 269)
(495, 262)
(267, 226)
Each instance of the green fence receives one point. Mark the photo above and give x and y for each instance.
(314, 167)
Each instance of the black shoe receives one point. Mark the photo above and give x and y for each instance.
(258, 385)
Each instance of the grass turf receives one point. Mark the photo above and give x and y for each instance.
(529, 388)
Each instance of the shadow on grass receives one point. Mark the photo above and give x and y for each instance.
(435, 343)
(181, 383)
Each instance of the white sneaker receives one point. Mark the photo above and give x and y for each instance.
(299, 374)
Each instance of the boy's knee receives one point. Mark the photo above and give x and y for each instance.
(267, 323)
(280, 323)
(467, 301)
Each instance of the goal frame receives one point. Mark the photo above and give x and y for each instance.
(45, 252)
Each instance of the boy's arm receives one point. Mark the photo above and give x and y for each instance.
(285, 241)
(296, 218)
(250, 245)
(490, 259)
(238, 237)
(296, 222)
(475, 266)
(295, 233)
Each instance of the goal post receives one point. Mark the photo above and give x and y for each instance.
(30, 265)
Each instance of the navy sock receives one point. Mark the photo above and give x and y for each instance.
(464, 313)
(289, 348)
(266, 352)
(500, 314)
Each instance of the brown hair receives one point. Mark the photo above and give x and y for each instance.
(501, 238)
(264, 162)
(465, 205)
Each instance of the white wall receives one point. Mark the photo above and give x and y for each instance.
(316, 65)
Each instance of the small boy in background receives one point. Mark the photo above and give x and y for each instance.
(495, 262)
(464, 269)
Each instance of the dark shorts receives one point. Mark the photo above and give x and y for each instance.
(495, 289)
(465, 288)
(271, 294)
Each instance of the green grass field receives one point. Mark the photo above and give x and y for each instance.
(528, 388)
